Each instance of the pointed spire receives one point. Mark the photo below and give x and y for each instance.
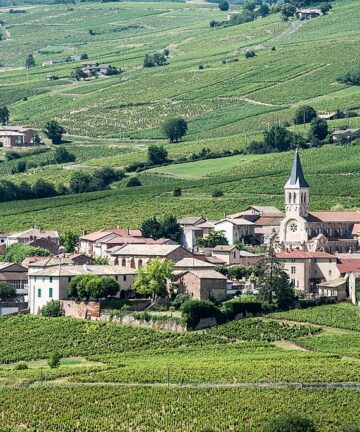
(297, 176)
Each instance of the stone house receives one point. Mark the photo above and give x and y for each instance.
(33, 234)
(134, 256)
(354, 288)
(230, 254)
(309, 269)
(235, 229)
(192, 264)
(16, 276)
(335, 288)
(17, 136)
(308, 13)
(50, 283)
(202, 284)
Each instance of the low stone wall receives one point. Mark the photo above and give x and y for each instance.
(84, 310)
(153, 324)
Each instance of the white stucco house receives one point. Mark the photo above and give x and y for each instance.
(235, 229)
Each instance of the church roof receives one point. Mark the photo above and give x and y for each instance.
(334, 216)
(297, 176)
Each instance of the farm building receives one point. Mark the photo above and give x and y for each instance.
(33, 234)
(202, 284)
(51, 62)
(308, 13)
(17, 136)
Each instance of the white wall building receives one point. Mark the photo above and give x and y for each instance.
(235, 229)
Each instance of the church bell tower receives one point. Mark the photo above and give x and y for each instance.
(296, 191)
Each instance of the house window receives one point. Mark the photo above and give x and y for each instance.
(292, 260)
(293, 282)
(51, 279)
(69, 279)
(124, 278)
(234, 254)
(293, 269)
(39, 292)
(50, 293)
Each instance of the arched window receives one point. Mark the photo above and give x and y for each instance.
(132, 263)
(289, 198)
(123, 262)
(294, 198)
(140, 263)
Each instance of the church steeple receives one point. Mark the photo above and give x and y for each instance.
(297, 190)
(297, 178)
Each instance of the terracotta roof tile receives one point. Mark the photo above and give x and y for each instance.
(297, 254)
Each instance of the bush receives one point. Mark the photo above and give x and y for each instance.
(304, 114)
(21, 366)
(133, 182)
(177, 192)
(232, 308)
(52, 309)
(54, 360)
(351, 77)
(7, 292)
(291, 423)
(217, 193)
(194, 310)
(250, 53)
(179, 300)
(224, 5)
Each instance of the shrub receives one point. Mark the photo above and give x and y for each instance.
(351, 77)
(217, 193)
(177, 192)
(21, 366)
(304, 114)
(52, 309)
(133, 182)
(250, 53)
(234, 307)
(291, 423)
(194, 310)
(54, 360)
(179, 300)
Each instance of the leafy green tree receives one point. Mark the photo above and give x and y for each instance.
(249, 5)
(352, 77)
(43, 189)
(4, 115)
(280, 139)
(54, 131)
(177, 192)
(171, 228)
(87, 285)
(17, 252)
(84, 56)
(157, 155)
(274, 284)
(318, 129)
(7, 292)
(54, 360)
(151, 228)
(78, 74)
(133, 182)
(175, 129)
(78, 286)
(304, 114)
(110, 286)
(52, 309)
(288, 10)
(153, 277)
(263, 10)
(325, 7)
(62, 155)
(30, 61)
(291, 423)
(224, 5)
(214, 238)
(79, 182)
(69, 240)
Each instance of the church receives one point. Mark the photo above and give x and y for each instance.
(304, 230)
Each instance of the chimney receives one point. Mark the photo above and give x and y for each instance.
(85, 232)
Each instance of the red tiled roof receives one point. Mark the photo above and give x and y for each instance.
(269, 220)
(214, 260)
(303, 255)
(349, 265)
(334, 216)
(118, 231)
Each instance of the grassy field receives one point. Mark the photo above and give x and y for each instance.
(106, 355)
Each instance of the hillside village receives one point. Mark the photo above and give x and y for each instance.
(319, 251)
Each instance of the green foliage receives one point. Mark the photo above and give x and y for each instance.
(194, 310)
(54, 360)
(17, 252)
(133, 182)
(157, 155)
(7, 292)
(214, 238)
(304, 114)
(54, 131)
(224, 5)
(30, 61)
(87, 285)
(318, 130)
(177, 192)
(175, 129)
(69, 240)
(62, 155)
(52, 309)
(4, 115)
(179, 300)
(351, 77)
(21, 366)
(157, 59)
(153, 277)
(291, 423)
(217, 193)
(288, 10)
(168, 228)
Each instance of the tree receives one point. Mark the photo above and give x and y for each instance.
(291, 423)
(263, 10)
(62, 155)
(153, 277)
(273, 282)
(43, 189)
(30, 61)
(214, 238)
(133, 182)
(4, 115)
(84, 56)
(54, 131)
(54, 360)
(94, 286)
(17, 252)
(69, 240)
(249, 5)
(171, 229)
(175, 129)
(148, 61)
(288, 10)
(177, 192)
(224, 5)
(325, 7)
(318, 129)
(352, 77)
(151, 228)
(78, 74)
(304, 114)
(110, 286)
(7, 292)
(157, 155)
(79, 182)
(52, 309)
